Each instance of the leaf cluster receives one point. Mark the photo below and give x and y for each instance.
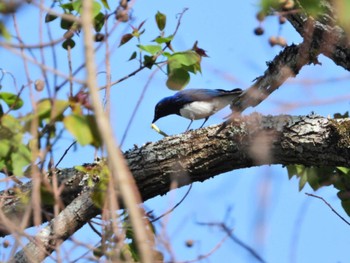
(179, 63)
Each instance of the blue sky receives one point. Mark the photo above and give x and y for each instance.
(267, 210)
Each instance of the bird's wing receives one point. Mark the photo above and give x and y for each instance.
(190, 95)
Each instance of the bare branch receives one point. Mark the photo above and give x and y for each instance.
(333, 210)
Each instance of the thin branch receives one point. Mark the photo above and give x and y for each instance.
(201, 257)
(333, 210)
(235, 239)
(242, 244)
(138, 103)
(174, 207)
(65, 153)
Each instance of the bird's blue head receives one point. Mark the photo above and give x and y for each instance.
(165, 107)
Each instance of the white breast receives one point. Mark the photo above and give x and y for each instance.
(202, 109)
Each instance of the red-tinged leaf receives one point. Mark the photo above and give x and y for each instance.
(142, 23)
(125, 38)
(198, 50)
(105, 4)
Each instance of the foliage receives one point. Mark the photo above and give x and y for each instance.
(317, 177)
(179, 64)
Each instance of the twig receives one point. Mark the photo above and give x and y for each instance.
(319, 197)
(137, 107)
(242, 244)
(200, 257)
(94, 229)
(235, 239)
(65, 153)
(174, 207)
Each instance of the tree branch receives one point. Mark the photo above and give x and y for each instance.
(196, 156)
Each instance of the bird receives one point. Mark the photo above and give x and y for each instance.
(195, 104)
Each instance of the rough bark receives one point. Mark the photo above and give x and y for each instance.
(73, 217)
(198, 155)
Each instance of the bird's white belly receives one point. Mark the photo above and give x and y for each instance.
(203, 109)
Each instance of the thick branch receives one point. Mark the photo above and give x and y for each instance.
(320, 36)
(200, 154)
(72, 218)
(328, 38)
(286, 64)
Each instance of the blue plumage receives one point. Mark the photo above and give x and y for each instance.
(195, 104)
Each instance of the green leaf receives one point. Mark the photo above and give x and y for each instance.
(99, 21)
(152, 49)
(188, 61)
(4, 32)
(12, 100)
(344, 196)
(5, 146)
(133, 56)
(67, 6)
(79, 127)
(9, 126)
(69, 43)
(344, 170)
(47, 110)
(66, 24)
(77, 5)
(20, 158)
(193, 68)
(166, 54)
(313, 7)
(302, 181)
(2, 164)
(313, 177)
(346, 206)
(178, 79)
(148, 61)
(83, 128)
(267, 5)
(161, 20)
(161, 40)
(291, 169)
(50, 17)
(187, 58)
(96, 8)
(126, 38)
